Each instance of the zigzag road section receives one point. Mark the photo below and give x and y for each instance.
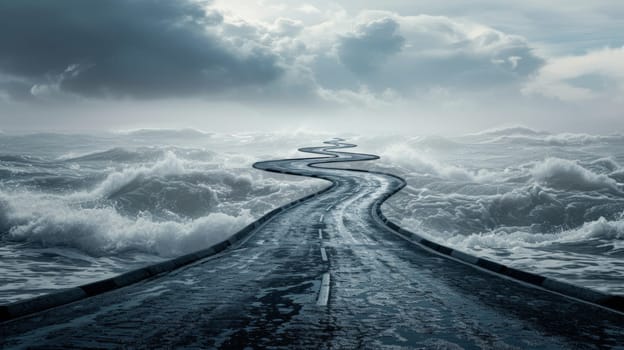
(326, 273)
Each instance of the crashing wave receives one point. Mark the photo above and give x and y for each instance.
(569, 175)
(166, 207)
(103, 231)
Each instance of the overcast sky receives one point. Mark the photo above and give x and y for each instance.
(429, 66)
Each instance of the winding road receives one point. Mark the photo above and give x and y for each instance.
(326, 273)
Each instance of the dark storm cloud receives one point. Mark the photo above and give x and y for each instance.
(365, 50)
(138, 48)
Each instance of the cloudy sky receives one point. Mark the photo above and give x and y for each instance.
(428, 66)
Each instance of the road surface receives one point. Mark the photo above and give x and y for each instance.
(323, 274)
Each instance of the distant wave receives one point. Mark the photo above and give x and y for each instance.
(566, 139)
(165, 133)
(526, 136)
(19, 158)
(140, 154)
(118, 154)
(507, 131)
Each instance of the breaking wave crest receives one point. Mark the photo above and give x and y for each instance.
(569, 175)
(104, 231)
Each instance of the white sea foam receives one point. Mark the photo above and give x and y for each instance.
(569, 175)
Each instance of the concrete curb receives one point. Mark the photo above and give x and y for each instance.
(40, 303)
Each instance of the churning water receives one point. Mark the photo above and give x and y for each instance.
(546, 203)
(78, 208)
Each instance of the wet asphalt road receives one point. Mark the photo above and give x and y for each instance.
(324, 274)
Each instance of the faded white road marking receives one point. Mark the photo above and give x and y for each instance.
(329, 208)
(320, 234)
(321, 219)
(323, 254)
(324, 291)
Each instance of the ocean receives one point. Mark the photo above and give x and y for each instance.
(546, 203)
(76, 208)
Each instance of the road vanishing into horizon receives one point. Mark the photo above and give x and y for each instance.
(324, 274)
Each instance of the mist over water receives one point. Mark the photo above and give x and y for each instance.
(79, 208)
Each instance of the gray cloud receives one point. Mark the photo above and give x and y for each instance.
(138, 48)
(260, 61)
(413, 54)
(369, 47)
(288, 27)
(157, 48)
